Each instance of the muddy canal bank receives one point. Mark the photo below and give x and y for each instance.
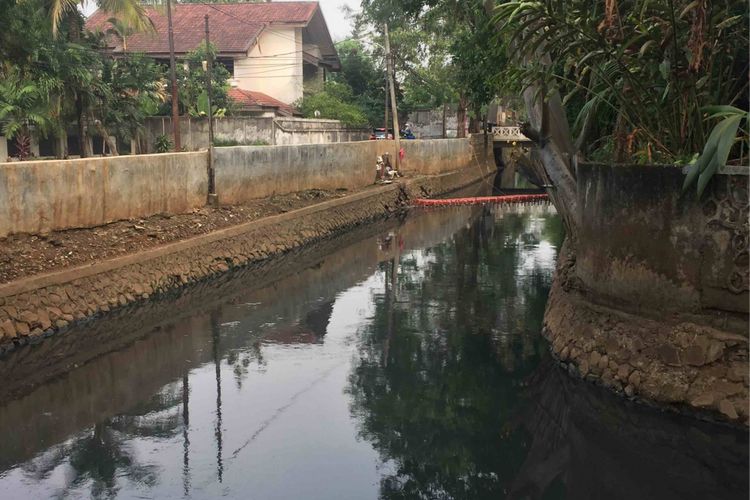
(36, 307)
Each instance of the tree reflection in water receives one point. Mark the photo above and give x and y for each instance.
(99, 457)
(454, 388)
(441, 367)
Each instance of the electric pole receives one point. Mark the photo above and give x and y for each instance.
(211, 174)
(173, 76)
(396, 129)
(386, 104)
(209, 66)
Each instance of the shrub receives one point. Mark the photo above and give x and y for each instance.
(163, 144)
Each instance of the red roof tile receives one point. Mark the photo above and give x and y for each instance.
(234, 27)
(250, 99)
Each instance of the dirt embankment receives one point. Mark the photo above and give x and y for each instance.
(24, 255)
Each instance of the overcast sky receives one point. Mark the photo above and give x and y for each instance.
(338, 25)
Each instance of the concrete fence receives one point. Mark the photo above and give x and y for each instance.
(247, 130)
(42, 196)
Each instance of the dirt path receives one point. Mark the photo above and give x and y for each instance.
(24, 255)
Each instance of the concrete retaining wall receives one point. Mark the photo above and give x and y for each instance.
(651, 300)
(439, 155)
(40, 196)
(289, 131)
(644, 243)
(247, 172)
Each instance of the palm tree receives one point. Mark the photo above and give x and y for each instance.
(130, 13)
(121, 30)
(23, 105)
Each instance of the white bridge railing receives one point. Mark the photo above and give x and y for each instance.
(509, 134)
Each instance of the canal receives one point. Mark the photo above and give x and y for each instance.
(403, 360)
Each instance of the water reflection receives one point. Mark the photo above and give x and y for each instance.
(436, 398)
(406, 363)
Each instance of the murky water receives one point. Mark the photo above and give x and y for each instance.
(406, 363)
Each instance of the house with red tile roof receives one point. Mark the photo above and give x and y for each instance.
(251, 102)
(275, 51)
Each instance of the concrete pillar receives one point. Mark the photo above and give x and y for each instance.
(3, 149)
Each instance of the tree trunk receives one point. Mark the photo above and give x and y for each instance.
(61, 145)
(23, 144)
(475, 122)
(84, 145)
(461, 118)
(556, 154)
(555, 149)
(620, 137)
(111, 144)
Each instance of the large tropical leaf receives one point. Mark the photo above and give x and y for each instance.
(717, 148)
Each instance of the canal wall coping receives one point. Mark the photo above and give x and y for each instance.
(43, 196)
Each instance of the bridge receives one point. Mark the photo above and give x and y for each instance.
(509, 134)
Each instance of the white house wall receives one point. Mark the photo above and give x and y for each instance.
(274, 65)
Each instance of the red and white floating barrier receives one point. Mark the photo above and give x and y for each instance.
(480, 200)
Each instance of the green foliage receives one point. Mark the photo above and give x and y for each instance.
(443, 50)
(130, 13)
(191, 77)
(635, 76)
(163, 144)
(334, 102)
(76, 82)
(135, 87)
(366, 79)
(219, 142)
(23, 104)
(717, 148)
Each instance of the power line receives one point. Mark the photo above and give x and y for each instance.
(263, 24)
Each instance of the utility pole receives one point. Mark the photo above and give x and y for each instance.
(386, 104)
(173, 76)
(445, 114)
(212, 199)
(209, 66)
(396, 128)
